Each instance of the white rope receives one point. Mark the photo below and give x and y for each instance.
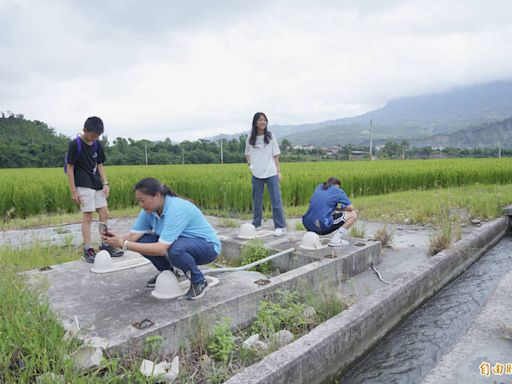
(248, 266)
(379, 275)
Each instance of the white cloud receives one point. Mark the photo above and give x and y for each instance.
(156, 70)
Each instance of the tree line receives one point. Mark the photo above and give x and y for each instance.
(25, 143)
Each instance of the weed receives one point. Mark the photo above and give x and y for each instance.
(255, 250)
(385, 236)
(152, 344)
(228, 223)
(222, 341)
(357, 231)
(299, 226)
(441, 239)
(285, 313)
(328, 304)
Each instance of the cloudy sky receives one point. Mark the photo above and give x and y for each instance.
(189, 69)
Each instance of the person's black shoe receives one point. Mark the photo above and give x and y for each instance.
(89, 255)
(114, 252)
(151, 282)
(196, 290)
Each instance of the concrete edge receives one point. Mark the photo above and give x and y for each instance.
(243, 307)
(333, 346)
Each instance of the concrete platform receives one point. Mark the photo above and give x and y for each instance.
(325, 352)
(107, 305)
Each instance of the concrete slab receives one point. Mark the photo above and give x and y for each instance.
(326, 351)
(108, 305)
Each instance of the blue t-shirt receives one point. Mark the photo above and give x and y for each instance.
(179, 218)
(322, 205)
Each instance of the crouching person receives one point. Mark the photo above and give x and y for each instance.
(171, 232)
(324, 216)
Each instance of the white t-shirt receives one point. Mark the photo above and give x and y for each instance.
(262, 156)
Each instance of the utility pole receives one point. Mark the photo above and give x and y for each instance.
(221, 152)
(146, 151)
(182, 155)
(499, 150)
(371, 140)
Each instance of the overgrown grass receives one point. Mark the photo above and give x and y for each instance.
(357, 231)
(228, 223)
(441, 239)
(384, 235)
(37, 256)
(255, 250)
(420, 207)
(217, 352)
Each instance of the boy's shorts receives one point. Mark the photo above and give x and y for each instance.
(91, 199)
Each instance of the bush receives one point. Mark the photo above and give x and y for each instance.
(222, 342)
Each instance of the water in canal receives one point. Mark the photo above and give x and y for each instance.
(411, 350)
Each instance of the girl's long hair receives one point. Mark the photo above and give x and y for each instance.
(331, 181)
(267, 136)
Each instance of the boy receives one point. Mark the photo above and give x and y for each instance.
(88, 182)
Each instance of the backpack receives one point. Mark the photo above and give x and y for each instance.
(78, 150)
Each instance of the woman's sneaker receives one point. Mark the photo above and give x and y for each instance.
(279, 232)
(89, 255)
(196, 290)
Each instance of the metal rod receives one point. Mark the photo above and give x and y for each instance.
(248, 266)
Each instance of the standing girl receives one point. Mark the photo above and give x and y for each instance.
(262, 153)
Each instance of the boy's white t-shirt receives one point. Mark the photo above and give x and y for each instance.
(262, 156)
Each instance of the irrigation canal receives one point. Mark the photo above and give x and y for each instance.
(409, 352)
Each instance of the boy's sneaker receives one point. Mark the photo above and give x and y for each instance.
(89, 255)
(337, 241)
(279, 232)
(114, 252)
(196, 290)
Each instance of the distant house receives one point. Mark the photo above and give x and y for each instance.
(359, 155)
(305, 147)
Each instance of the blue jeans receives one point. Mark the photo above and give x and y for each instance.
(275, 199)
(186, 253)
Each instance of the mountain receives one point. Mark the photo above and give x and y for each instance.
(413, 117)
(25, 143)
(481, 136)
(410, 118)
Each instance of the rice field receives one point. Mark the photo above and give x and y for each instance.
(26, 192)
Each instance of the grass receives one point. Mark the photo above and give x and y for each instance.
(32, 337)
(33, 191)
(416, 207)
(358, 231)
(385, 236)
(441, 239)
